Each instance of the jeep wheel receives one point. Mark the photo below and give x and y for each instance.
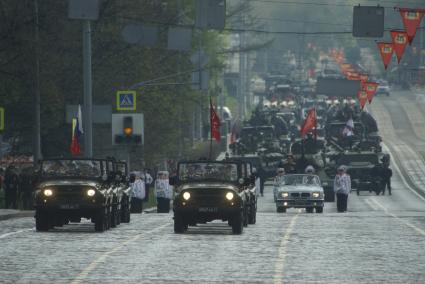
(252, 215)
(237, 224)
(179, 226)
(113, 217)
(125, 213)
(101, 221)
(125, 216)
(319, 209)
(118, 214)
(309, 210)
(108, 217)
(245, 217)
(42, 221)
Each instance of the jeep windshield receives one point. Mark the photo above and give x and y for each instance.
(71, 168)
(306, 180)
(204, 171)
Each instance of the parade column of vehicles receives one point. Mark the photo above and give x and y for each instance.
(213, 190)
(71, 189)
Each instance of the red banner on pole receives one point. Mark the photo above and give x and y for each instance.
(386, 49)
(215, 123)
(399, 43)
(370, 89)
(310, 122)
(362, 96)
(411, 21)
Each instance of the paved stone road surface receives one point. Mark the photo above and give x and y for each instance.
(380, 240)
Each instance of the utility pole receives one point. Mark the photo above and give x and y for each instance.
(242, 70)
(37, 111)
(421, 45)
(88, 99)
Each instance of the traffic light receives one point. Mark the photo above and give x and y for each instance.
(128, 136)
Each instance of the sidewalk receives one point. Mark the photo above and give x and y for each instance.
(6, 214)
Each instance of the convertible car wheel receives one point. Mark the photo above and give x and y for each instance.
(252, 215)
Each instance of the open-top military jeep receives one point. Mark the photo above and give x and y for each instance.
(71, 189)
(210, 190)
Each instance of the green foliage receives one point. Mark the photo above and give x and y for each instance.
(117, 65)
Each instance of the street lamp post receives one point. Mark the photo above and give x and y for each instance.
(86, 10)
(88, 96)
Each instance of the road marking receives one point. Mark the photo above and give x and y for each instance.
(419, 230)
(397, 168)
(83, 274)
(280, 263)
(371, 205)
(14, 233)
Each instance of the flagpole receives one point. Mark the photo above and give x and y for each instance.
(211, 129)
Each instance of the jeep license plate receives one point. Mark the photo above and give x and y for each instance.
(208, 209)
(69, 206)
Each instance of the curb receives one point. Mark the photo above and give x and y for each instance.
(17, 215)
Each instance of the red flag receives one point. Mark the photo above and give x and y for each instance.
(386, 49)
(370, 88)
(309, 123)
(362, 96)
(399, 42)
(215, 123)
(411, 21)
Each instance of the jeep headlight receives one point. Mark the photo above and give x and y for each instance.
(91, 192)
(284, 194)
(229, 195)
(48, 192)
(316, 194)
(186, 195)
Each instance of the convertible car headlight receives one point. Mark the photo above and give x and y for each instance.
(186, 195)
(48, 192)
(284, 194)
(229, 196)
(91, 192)
(316, 194)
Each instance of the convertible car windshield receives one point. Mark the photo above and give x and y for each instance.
(308, 180)
(71, 168)
(199, 171)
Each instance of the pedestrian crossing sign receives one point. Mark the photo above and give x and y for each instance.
(1, 118)
(126, 100)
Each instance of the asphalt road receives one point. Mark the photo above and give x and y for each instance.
(380, 240)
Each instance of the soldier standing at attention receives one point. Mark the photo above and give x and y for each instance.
(342, 188)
